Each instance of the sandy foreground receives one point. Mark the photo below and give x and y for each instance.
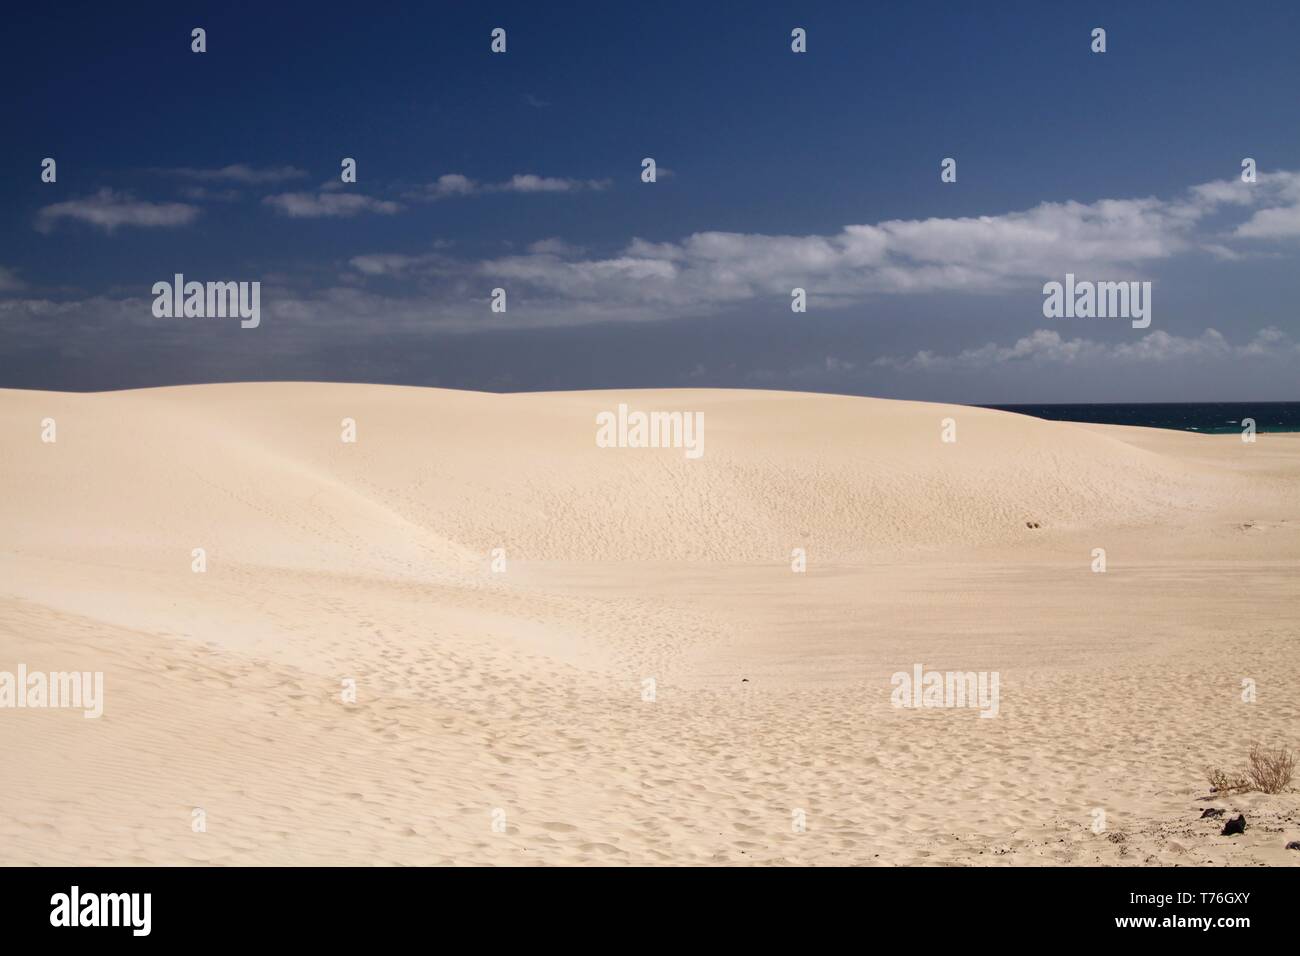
(648, 680)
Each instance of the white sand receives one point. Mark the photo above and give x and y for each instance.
(523, 690)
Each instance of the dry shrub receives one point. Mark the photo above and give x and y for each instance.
(1223, 782)
(1270, 769)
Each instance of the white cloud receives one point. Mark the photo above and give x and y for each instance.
(711, 270)
(328, 205)
(451, 184)
(530, 183)
(1271, 224)
(457, 184)
(399, 264)
(240, 173)
(109, 210)
(556, 247)
(1276, 197)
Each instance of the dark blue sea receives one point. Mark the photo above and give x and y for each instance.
(1206, 417)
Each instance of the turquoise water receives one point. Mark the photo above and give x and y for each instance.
(1206, 417)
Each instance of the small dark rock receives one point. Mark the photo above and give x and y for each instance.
(1212, 812)
(744, 680)
(1236, 825)
(1293, 845)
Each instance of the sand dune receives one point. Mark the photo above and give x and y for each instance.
(500, 715)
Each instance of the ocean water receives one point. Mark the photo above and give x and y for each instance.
(1206, 417)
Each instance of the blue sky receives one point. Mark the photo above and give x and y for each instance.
(522, 171)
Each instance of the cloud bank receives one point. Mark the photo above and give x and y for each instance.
(703, 273)
(1050, 347)
(551, 283)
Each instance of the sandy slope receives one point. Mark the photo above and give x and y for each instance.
(522, 692)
